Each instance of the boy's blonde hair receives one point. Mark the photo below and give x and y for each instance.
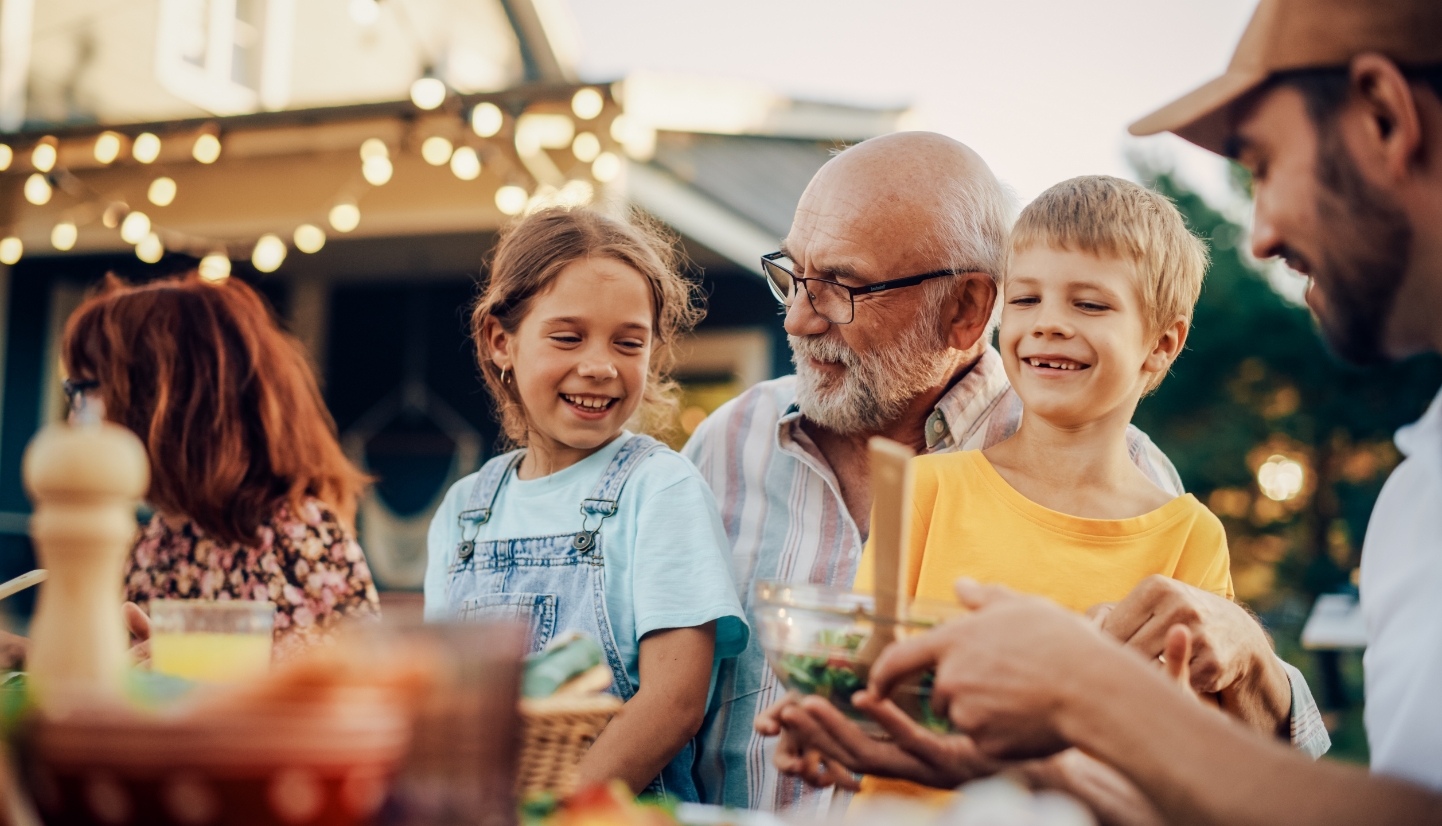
(1111, 217)
(532, 253)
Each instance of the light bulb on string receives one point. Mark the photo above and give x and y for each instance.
(309, 238)
(37, 189)
(466, 164)
(6, 156)
(586, 147)
(64, 235)
(486, 119)
(114, 212)
(43, 156)
(436, 150)
(606, 167)
(11, 249)
(344, 217)
(107, 147)
(215, 267)
(206, 148)
(587, 103)
(150, 249)
(146, 147)
(374, 148)
(269, 253)
(428, 92)
(377, 170)
(511, 199)
(162, 191)
(135, 227)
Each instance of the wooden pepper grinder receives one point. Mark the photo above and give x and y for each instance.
(85, 481)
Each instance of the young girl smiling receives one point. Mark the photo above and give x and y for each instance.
(589, 527)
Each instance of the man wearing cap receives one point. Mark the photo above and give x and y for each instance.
(1335, 106)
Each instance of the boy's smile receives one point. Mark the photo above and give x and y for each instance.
(1074, 336)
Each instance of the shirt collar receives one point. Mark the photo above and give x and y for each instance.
(956, 414)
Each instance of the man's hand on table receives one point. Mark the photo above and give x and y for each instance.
(1231, 655)
(822, 746)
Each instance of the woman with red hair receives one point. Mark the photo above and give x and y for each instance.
(253, 496)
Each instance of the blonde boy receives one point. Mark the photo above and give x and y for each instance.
(1101, 278)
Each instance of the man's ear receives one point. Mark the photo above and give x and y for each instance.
(971, 307)
(1168, 346)
(1391, 129)
(497, 343)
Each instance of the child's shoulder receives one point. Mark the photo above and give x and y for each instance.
(950, 464)
(662, 469)
(1205, 524)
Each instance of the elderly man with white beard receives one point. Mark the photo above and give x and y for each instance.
(904, 236)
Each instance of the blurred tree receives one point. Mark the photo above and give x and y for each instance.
(1256, 382)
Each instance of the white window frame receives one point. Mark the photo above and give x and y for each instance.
(211, 86)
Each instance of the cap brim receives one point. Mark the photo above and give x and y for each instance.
(1200, 116)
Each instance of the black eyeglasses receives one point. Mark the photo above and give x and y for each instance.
(831, 300)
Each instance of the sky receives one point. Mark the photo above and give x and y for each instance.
(1042, 89)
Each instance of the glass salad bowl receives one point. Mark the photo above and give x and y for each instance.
(813, 636)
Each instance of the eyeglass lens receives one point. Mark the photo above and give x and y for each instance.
(829, 300)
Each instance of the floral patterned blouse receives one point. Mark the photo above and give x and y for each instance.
(308, 564)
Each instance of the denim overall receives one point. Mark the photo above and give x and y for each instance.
(553, 583)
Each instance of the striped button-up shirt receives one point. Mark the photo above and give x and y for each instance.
(783, 512)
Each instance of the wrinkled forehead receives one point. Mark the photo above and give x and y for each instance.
(867, 223)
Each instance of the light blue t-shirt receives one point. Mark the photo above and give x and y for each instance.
(667, 560)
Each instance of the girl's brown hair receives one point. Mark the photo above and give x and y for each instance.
(533, 252)
(225, 402)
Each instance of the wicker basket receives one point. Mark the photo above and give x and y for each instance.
(556, 732)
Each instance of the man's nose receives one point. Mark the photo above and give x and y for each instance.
(802, 319)
(1267, 240)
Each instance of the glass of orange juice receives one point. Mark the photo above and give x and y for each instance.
(211, 641)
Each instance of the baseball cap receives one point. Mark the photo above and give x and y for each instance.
(1300, 34)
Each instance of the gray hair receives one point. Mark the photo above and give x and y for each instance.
(971, 235)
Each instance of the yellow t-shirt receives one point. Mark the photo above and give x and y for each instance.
(967, 521)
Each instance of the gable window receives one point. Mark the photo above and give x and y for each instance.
(226, 56)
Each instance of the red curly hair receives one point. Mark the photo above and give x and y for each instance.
(224, 400)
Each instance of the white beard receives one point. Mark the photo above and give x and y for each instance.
(876, 386)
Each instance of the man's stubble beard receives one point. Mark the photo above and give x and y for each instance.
(1368, 243)
(875, 387)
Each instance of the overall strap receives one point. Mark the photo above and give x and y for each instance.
(483, 499)
(602, 501)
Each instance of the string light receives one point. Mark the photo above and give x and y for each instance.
(37, 189)
(135, 227)
(436, 150)
(543, 131)
(6, 156)
(64, 235)
(428, 92)
(150, 249)
(10, 250)
(146, 147)
(114, 211)
(309, 238)
(107, 147)
(377, 170)
(586, 147)
(269, 253)
(374, 148)
(486, 119)
(576, 193)
(466, 164)
(162, 191)
(215, 267)
(606, 167)
(43, 156)
(587, 103)
(511, 200)
(206, 148)
(344, 217)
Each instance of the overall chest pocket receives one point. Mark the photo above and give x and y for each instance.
(536, 611)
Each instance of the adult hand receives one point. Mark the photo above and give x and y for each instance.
(1008, 704)
(1110, 796)
(1231, 655)
(138, 624)
(795, 753)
